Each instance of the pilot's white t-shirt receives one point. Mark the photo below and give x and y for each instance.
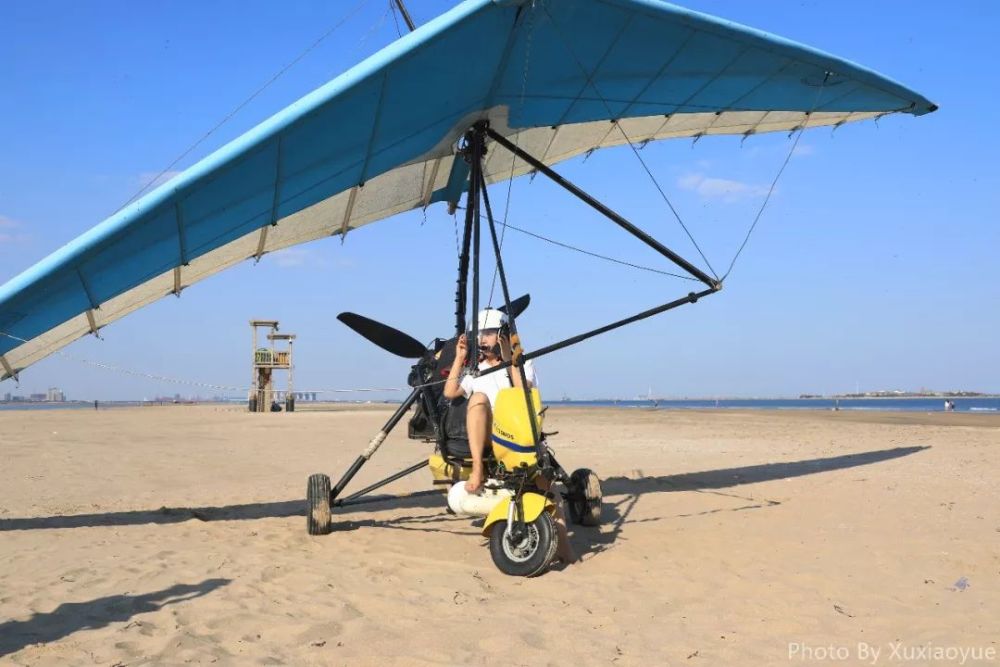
(492, 384)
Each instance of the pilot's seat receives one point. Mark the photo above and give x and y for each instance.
(441, 420)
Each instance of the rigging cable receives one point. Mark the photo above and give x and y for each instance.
(395, 19)
(182, 381)
(663, 194)
(770, 191)
(774, 183)
(589, 253)
(166, 169)
(594, 254)
(517, 138)
(245, 102)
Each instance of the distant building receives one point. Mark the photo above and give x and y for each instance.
(38, 397)
(6, 397)
(54, 394)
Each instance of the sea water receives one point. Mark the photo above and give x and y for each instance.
(985, 405)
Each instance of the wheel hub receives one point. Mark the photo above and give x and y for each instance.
(520, 547)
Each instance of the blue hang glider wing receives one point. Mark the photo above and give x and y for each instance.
(380, 139)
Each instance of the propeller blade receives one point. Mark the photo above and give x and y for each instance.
(518, 306)
(387, 338)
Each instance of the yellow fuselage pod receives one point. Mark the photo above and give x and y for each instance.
(446, 470)
(513, 440)
(534, 504)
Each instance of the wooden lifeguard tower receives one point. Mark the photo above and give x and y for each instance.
(267, 359)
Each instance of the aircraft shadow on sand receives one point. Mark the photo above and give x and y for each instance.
(615, 513)
(70, 617)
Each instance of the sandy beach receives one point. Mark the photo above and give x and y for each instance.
(175, 535)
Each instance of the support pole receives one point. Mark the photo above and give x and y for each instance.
(541, 352)
(406, 15)
(355, 497)
(461, 291)
(375, 443)
(510, 315)
(473, 204)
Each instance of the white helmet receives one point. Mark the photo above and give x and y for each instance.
(491, 318)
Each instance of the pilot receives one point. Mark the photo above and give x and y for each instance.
(481, 391)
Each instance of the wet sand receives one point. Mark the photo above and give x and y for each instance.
(174, 535)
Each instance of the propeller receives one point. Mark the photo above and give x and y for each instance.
(518, 306)
(387, 338)
(401, 344)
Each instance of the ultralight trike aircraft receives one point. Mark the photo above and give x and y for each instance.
(489, 91)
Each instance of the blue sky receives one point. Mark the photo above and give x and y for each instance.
(874, 265)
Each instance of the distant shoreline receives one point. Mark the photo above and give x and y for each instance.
(983, 404)
(562, 401)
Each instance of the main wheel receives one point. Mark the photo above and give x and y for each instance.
(528, 555)
(318, 505)
(584, 498)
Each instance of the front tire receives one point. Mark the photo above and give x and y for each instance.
(318, 505)
(532, 555)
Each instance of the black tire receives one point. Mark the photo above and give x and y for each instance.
(318, 505)
(535, 556)
(585, 497)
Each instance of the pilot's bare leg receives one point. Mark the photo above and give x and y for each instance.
(564, 550)
(478, 423)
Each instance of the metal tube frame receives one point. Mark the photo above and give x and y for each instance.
(355, 497)
(692, 297)
(605, 211)
(474, 150)
(375, 443)
(532, 417)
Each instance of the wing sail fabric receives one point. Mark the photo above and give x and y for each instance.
(564, 76)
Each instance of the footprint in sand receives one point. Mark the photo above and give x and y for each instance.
(318, 634)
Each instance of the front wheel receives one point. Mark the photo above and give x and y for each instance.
(528, 554)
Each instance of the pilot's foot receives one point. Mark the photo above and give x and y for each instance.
(565, 555)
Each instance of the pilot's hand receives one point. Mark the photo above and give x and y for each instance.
(514, 350)
(461, 349)
(505, 352)
(475, 482)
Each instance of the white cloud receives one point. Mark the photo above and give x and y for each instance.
(719, 188)
(802, 150)
(153, 179)
(289, 258)
(299, 257)
(10, 236)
